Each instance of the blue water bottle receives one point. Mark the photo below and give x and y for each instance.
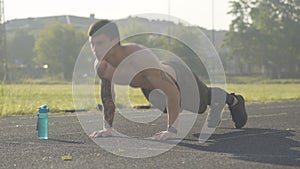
(42, 122)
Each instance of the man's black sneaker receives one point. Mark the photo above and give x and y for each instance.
(238, 112)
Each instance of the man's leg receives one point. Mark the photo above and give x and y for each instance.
(220, 97)
(236, 104)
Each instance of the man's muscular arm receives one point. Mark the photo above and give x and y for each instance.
(160, 80)
(108, 103)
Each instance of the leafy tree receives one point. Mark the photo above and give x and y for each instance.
(265, 33)
(58, 46)
(277, 20)
(162, 41)
(20, 48)
(237, 39)
(20, 54)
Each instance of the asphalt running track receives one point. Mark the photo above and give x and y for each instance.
(271, 139)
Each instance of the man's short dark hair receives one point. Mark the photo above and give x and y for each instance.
(104, 27)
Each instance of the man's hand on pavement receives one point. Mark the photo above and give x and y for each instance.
(101, 133)
(164, 135)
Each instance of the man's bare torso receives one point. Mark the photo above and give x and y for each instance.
(132, 69)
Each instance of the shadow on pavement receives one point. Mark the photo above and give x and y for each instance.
(253, 144)
(65, 141)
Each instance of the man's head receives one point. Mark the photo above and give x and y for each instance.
(106, 27)
(103, 35)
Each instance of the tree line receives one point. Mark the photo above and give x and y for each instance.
(50, 52)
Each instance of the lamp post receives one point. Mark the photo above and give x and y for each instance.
(213, 21)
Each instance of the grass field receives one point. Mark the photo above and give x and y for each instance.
(25, 98)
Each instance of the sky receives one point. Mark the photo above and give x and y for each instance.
(195, 12)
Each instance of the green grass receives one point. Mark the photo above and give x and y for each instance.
(23, 99)
(259, 79)
(26, 98)
(266, 92)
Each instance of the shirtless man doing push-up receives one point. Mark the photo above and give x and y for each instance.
(145, 71)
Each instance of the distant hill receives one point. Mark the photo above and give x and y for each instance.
(40, 22)
(33, 24)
